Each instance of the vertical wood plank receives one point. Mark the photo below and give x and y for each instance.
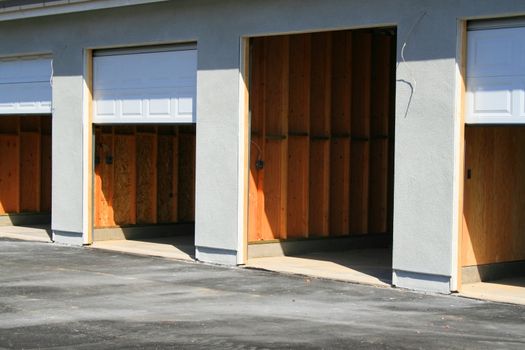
(276, 129)
(359, 189)
(186, 193)
(30, 171)
(45, 180)
(340, 131)
(125, 179)
(104, 216)
(320, 109)
(321, 87)
(319, 218)
(339, 186)
(165, 179)
(341, 101)
(299, 84)
(146, 148)
(175, 179)
(379, 148)
(298, 186)
(299, 141)
(256, 212)
(494, 195)
(9, 174)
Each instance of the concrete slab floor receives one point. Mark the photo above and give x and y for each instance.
(177, 247)
(40, 233)
(59, 297)
(365, 266)
(509, 290)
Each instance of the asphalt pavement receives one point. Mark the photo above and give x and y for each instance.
(57, 297)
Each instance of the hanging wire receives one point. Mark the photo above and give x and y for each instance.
(412, 83)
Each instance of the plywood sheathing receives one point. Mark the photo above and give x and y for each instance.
(494, 190)
(319, 129)
(25, 164)
(144, 175)
(186, 174)
(167, 176)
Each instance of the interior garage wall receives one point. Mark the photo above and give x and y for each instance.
(144, 175)
(321, 123)
(25, 164)
(425, 222)
(493, 220)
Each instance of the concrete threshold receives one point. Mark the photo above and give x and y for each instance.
(38, 233)
(509, 290)
(366, 266)
(179, 247)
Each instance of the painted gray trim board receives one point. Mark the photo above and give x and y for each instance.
(68, 238)
(421, 281)
(216, 256)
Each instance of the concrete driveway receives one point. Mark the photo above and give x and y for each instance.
(54, 297)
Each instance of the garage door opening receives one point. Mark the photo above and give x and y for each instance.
(321, 155)
(25, 146)
(493, 234)
(494, 224)
(144, 150)
(25, 174)
(145, 184)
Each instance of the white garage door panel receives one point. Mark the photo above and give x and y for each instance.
(25, 86)
(151, 87)
(496, 76)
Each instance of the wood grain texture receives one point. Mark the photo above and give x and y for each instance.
(274, 225)
(298, 186)
(361, 82)
(320, 118)
(341, 100)
(166, 169)
(146, 160)
(186, 198)
(256, 192)
(379, 129)
(321, 112)
(30, 175)
(319, 186)
(124, 180)
(299, 85)
(45, 171)
(103, 187)
(321, 86)
(340, 186)
(494, 195)
(378, 186)
(9, 174)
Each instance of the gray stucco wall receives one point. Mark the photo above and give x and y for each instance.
(425, 167)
